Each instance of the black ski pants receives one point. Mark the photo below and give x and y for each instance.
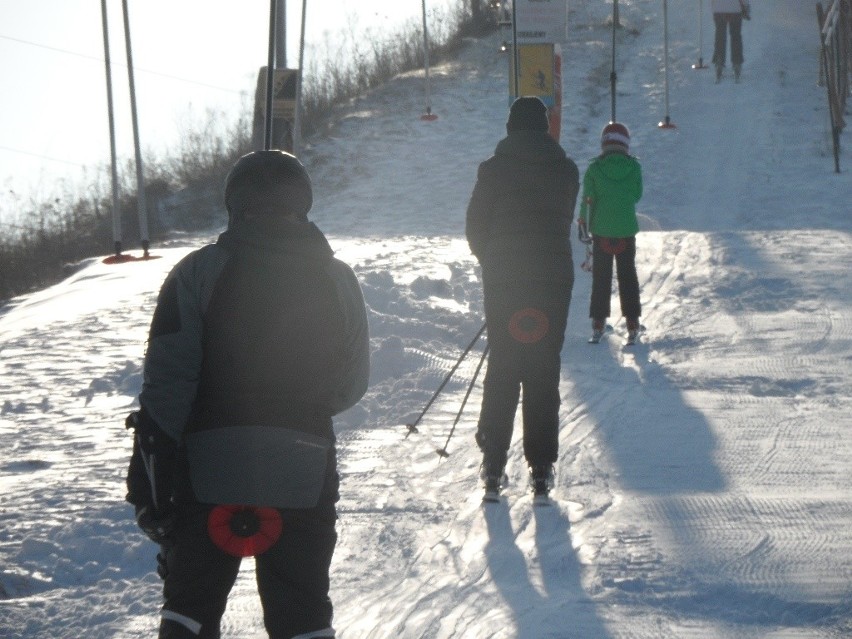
(526, 328)
(292, 578)
(725, 22)
(623, 251)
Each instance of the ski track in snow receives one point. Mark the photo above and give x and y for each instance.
(703, 481)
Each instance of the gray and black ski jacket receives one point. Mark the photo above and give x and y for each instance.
(256, 342)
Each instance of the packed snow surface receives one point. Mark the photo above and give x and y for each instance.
(703, 487)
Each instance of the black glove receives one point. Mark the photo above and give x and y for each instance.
(159, 530)
(157, 527)
(150, 476)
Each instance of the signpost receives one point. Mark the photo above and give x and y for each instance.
(535, 67)
(283, 104)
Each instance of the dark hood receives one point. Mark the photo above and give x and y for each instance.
(617, 167)
(275, 236)
(531, 146)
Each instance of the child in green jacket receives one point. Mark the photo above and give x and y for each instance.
(612, 186)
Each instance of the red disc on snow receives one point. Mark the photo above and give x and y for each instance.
(529, 325)
(244, 531)
(119, 258)
(124, 258)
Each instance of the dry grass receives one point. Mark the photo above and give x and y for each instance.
(41, 235)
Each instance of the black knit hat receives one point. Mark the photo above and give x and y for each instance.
(528, 114)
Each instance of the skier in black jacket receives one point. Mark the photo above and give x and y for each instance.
(255, 343)
(518, 227)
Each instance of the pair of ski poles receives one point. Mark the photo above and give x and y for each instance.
(412, 427)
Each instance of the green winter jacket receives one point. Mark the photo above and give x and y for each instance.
(612, 186)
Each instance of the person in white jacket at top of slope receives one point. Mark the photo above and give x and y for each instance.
(728, 17)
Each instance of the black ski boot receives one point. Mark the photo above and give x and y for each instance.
(634, 330)
(541, 480)
(598, 330)
(494, 479)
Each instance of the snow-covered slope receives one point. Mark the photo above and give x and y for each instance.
(704, 480)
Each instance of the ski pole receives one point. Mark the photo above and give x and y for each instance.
(270, 66)
(587, 263)
(613, 75)
(116, 213)
(428, 116)
(412, 427)
(141, 205)
(667, 123)
(443, 451)
(700, 64)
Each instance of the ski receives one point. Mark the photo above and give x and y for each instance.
(538, 501)
(491, 497)
(493, 487)
(542, 500)
(630, 339)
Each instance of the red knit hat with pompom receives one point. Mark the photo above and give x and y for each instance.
(615, 137)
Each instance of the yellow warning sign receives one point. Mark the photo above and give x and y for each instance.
(536, 75)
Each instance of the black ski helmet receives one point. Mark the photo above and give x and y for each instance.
(261, 178)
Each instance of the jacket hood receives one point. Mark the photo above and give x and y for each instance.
(616, 166)
(275, 236)
(531, 145)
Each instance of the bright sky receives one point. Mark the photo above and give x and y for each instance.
(189, 56)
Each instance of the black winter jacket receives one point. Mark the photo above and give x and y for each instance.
(520, 213)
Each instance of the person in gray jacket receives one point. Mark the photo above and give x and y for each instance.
(256, 342)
